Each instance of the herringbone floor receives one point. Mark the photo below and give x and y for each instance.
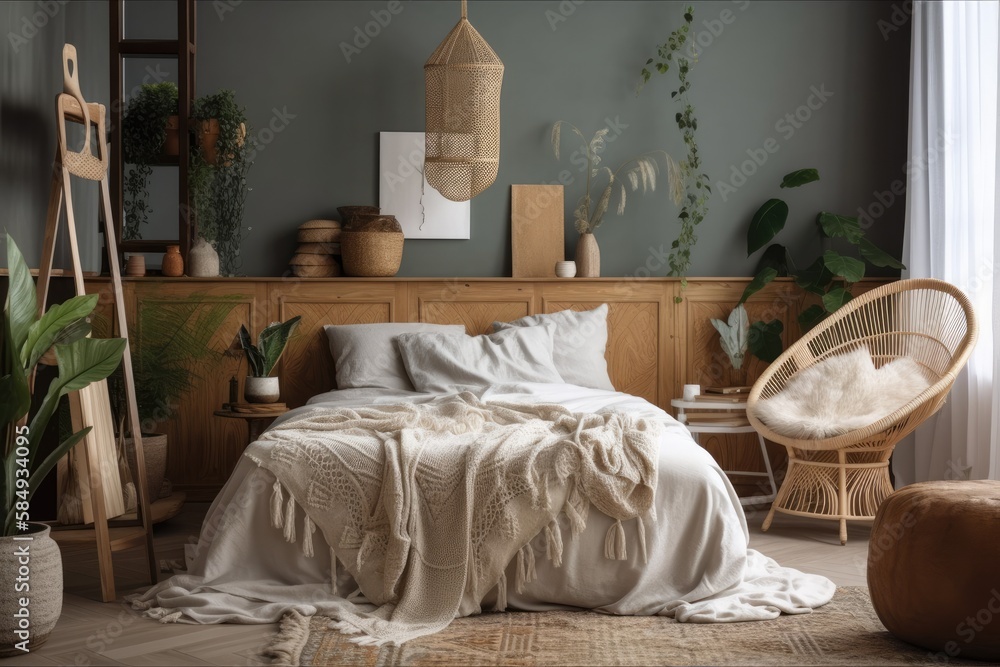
(93, 633)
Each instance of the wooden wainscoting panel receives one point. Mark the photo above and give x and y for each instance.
(635, 331)
(202, 449)
(475, 304)
(656, 345)
(307, 365)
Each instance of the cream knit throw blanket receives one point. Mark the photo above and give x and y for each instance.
(426, 504)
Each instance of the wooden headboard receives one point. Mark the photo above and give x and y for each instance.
(636, 323)
(660, 337)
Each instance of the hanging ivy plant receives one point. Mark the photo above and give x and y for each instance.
(218, 175)
(669, 56)
(144, 129)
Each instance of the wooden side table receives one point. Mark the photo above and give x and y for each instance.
(256, 421)
(695, 429)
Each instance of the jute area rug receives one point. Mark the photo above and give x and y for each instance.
(844, 632)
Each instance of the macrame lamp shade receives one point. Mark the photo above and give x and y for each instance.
(463, 78)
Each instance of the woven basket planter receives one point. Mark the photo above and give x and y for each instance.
(462, 101)
(46, 594)
(372, 247)
(349, 213)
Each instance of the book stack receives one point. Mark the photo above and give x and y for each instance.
(720, 396)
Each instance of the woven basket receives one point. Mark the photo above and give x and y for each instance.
(372, 247)
(318, 235)
(463, 78)
(348, 213)
(319, 231)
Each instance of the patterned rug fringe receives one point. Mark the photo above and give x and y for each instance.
(286, 647)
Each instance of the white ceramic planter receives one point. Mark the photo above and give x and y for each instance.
(203, 260)
(40, 569)
(261, 390)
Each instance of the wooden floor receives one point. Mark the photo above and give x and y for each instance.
(92, 633)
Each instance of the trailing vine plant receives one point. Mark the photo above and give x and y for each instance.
(697, 190)
(219, 188)
(144, 129)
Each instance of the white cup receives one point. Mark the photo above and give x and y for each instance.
(566, 269)
(691, 390)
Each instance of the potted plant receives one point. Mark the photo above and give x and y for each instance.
(59, 337)
(149, 131)
(261, 359)
(637, 172)
(830, 277)
(175, 339)
(217, 174)
(734, 338)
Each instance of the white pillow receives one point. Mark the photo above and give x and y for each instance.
(439, 363)
(580, 342)
(841, 394)
(365, 355)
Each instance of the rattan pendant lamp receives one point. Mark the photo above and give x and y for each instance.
(463, 78)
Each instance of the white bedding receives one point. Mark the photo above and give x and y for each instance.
(699, 567)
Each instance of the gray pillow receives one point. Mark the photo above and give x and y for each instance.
(580, 342)
(439, 363)
(365, 355)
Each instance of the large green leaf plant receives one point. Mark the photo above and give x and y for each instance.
(831, 276)
(61, 333)
(264, 356)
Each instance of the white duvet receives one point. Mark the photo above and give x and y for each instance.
(699, 567)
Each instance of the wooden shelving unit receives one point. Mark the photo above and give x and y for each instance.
(184, 50)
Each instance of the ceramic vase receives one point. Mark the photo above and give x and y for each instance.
(588, 257)
(135, 267)
(261, 390)
(203, 261)
(173, 264)
(566, 269)
(46, 595)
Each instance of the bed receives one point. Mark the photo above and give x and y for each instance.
(266, 548)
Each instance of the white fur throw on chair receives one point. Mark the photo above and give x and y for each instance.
(841, 394)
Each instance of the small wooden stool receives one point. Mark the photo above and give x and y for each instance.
(934, 567)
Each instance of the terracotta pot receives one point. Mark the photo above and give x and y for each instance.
(262, 390)
(171, 142)
(154, 453)
(45, 595)
(208, 139)
(173, 264)
(135, 266)
(588, 257)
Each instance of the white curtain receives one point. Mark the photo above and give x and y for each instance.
(951, 222)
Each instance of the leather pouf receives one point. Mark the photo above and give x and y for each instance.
(934, 567)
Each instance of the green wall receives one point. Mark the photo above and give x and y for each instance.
(579, 62)
(33, 36)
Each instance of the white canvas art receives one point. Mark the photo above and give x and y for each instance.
(422, 211)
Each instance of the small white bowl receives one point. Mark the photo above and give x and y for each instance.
(566, 269)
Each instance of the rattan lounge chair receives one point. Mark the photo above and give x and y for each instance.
(846, 477)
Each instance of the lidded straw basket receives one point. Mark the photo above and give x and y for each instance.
(463, 78)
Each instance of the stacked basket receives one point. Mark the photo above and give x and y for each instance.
(319, 243)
